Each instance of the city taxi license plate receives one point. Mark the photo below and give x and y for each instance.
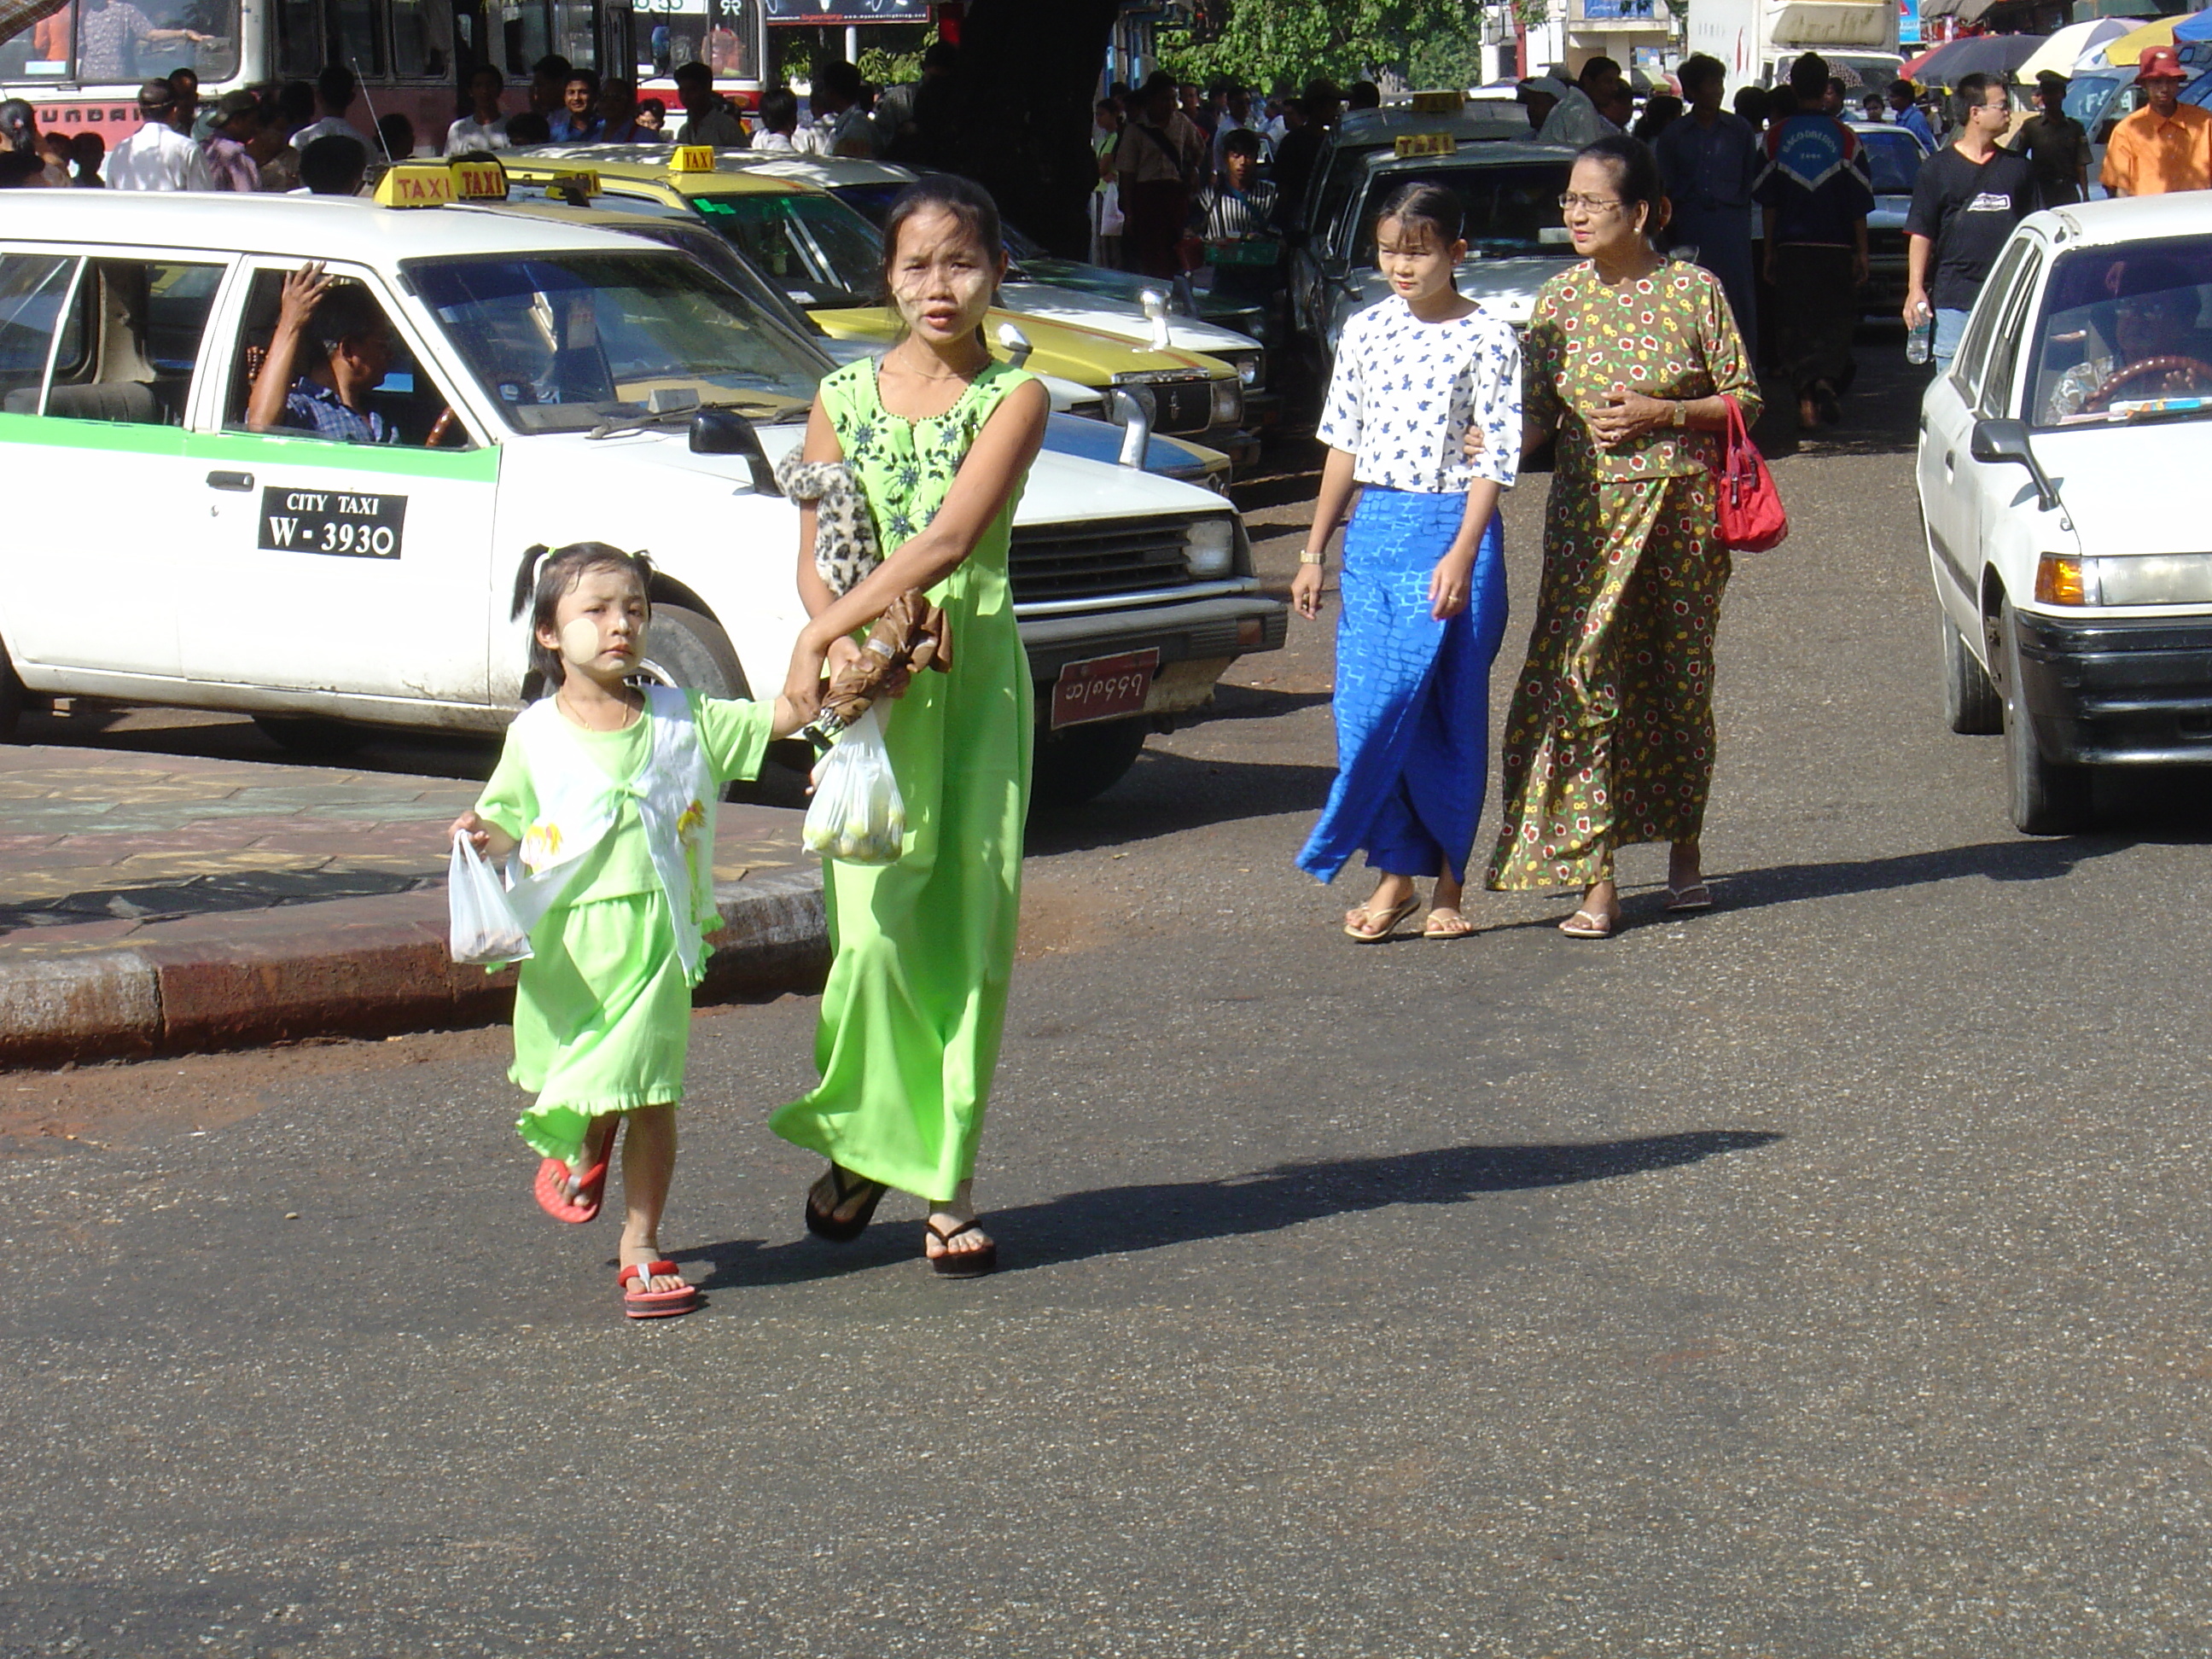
(1103, 688)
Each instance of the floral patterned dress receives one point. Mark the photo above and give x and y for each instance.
(1610, 740)
(924, 948)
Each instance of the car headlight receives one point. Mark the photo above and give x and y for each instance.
(1251, 368)
(1228, 402)
(1209, 547)
(2126, 578)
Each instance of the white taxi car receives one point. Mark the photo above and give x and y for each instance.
(546, 383)
(2073, 584)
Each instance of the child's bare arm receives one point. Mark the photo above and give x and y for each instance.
(488, 838)
(1337, 489)
(1451, 583)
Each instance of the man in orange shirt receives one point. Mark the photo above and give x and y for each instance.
(2165, 145)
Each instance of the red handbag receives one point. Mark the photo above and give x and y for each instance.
(1752, 518)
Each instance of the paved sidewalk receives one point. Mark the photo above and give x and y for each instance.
(158, 902)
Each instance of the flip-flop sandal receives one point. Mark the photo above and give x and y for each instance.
(643, 1303)
(551, 1185)
(1430, 930)
(1382, 928)
(1584, 923)
(826, 1223)
(960, 1264)
(1696, 897)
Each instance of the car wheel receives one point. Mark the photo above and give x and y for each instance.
(311, 736)
(685, 649)
(1972, 707)
(2048, 798)
(1082, 762)
(11, 696)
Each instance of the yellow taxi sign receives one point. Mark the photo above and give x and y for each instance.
(1425, 143)
(692, 158)
(415, 184)
(1446, 102)
(481, 180)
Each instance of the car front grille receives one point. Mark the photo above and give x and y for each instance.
(1181, 402)
(1085, 561)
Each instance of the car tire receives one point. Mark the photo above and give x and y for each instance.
(1972, 707)
(688, 650)
(1080, 763)
(311, 736)
(2048, 798)
(11, 696)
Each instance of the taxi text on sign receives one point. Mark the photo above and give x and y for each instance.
(1425, 143)
(692, 158)
(409, 184)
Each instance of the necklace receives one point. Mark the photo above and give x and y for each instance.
(577, 714)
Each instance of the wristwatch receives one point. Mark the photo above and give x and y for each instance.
(1681, 413)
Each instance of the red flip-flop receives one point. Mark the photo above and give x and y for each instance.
(643, 1303)
(551, 1185)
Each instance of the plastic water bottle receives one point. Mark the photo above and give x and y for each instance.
(1920, 338)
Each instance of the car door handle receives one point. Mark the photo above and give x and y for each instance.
(230, 481)
(1950, 458)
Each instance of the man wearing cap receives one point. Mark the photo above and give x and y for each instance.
(2167, 144)
(158, 157)
(2056, 144)
(237, 123)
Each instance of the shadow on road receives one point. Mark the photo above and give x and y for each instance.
(1997, 860)
(1166, 793)
(1123, 1220)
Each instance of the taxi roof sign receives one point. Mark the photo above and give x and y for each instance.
(482, 179)
(1446, 102)
(1424, 144)
(415, 184)
(692, 158)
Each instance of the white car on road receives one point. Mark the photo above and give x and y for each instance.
(2072, 564)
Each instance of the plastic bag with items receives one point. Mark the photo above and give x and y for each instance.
(484, 928)
(857, 814)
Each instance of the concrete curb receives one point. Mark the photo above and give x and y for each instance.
(348, 968)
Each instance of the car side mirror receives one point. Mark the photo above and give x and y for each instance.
(725, 432)
(2000, 440)
(1015, 343)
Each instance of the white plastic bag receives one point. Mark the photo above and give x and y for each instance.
(484, 927)
(857, 813)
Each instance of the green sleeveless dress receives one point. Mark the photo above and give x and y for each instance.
(916, 1000)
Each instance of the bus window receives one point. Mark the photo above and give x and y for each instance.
(357, 42)
(299, 39)
(121, 43)
(421, 40)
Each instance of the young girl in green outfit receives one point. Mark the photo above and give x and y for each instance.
(608, 791)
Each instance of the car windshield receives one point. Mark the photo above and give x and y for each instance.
(119, 43)
(1512, 211)
(820, 252)
(2126, 334)
(571, 342)
(1894, 155)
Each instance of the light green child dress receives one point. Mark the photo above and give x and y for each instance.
(603, 1011)
(916, 1001)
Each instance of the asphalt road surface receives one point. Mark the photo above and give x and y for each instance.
(1824, 1276)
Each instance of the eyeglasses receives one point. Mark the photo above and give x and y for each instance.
(1571, 203)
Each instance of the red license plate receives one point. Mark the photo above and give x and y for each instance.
(1103, 689)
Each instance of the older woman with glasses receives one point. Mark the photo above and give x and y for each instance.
(1630, 359)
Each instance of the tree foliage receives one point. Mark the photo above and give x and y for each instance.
(1270, 43)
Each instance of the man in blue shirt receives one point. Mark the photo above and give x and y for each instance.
(1709, 159)
(348, 348)
(1816, 191)
(1908, 112)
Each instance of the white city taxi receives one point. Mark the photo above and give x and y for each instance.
(544, 383)
(2073, 584)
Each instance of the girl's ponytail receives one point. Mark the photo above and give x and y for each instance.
(525, 579)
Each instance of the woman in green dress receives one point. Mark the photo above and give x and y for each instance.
(1630, 358)
(939, 438)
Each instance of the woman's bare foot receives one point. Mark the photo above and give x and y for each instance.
(1445, 919)
(948, 1217)
(1600, 914)
(1386, 907)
